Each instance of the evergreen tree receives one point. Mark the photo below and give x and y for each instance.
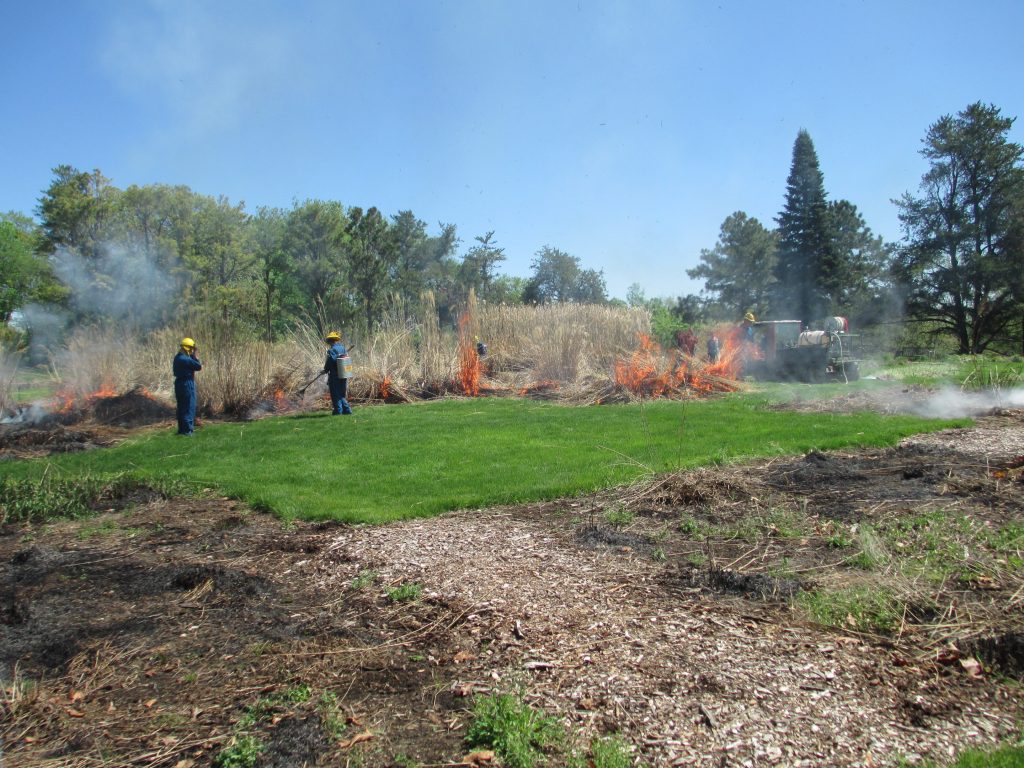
(807, 261)
(962, 263)
(739, 271)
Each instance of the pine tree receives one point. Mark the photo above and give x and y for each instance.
(806, 254)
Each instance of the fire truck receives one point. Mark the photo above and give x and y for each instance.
(784, 350)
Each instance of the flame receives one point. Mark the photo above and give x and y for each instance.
(281, 401)
(650, 372)
(469, 360)
(66, 399)
(545, 385)
(385, 387)
(641, 375)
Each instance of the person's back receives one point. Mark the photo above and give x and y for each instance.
(337, 374)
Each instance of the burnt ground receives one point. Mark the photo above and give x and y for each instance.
(671, 613)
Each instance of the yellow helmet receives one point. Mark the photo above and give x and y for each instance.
(749, 317)
(188, 343)
(333, 336)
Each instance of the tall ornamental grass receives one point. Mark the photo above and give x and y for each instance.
(408, 357)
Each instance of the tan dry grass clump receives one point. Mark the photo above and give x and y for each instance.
(560, 342)
(566, 351)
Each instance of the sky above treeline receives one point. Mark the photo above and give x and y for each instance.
(623, 133)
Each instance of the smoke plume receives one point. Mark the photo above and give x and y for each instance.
(121, 283)
(951, 403)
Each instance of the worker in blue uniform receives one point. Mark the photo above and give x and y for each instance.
(338, 369)
(185, 366)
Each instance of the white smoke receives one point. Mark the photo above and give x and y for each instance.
(30, 414)
(952, 403)
(121, 283)
(47, 326)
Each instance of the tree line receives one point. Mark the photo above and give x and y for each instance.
(146, 253)
(959, 269)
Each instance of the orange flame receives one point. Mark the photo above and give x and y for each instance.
(650, 372)
(385, 387)
(641, 375)
(469, 360)
(281, 401)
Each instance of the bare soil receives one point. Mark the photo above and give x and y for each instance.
(154, 636)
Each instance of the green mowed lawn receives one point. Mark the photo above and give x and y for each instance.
(391, 462)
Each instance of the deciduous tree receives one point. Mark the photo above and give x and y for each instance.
(558, 277)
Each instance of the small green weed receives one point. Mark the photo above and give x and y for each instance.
(243, 752)
(516, 731)
(363, 580)
(690, 526)
(259, 648)
(1003, 756)
(619, 517)
(865, 609)
(297, 694)
(107, 528)
(405, 592)
(873, 553)
(609, 752)
(330, 715)
(786, 524)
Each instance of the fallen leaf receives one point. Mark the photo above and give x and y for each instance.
(972, 667)
(111, 707)
(478, 757)
(462, 656)
(77, 695)
(353, 720)
(149, 704)
(359, 738)
(186, 763)
(74, 712)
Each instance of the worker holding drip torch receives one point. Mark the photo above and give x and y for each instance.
(185, 365)
(338, 368)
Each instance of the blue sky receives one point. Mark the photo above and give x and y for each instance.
(621, 132)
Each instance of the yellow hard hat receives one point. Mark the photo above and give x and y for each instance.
(333, 336)
(188, 343)
(749, 317)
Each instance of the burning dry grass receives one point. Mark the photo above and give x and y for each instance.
(578, 354)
